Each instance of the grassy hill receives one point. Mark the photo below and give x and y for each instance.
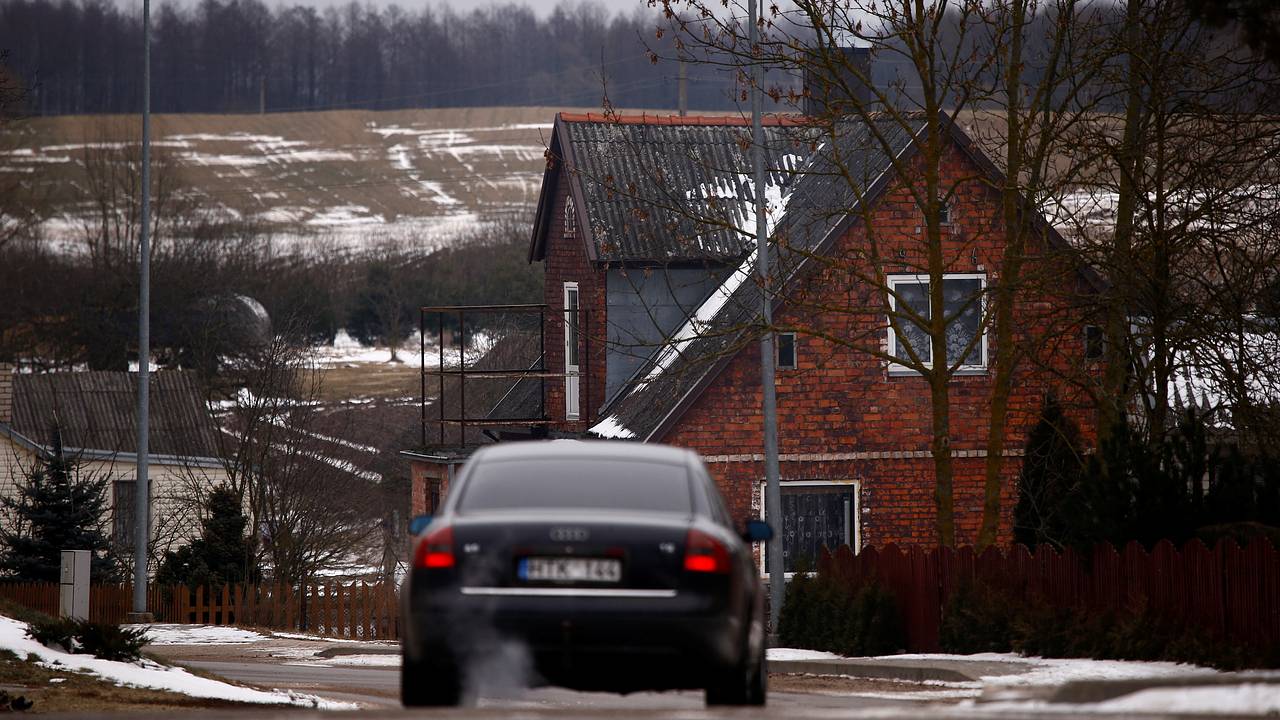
(352, 177)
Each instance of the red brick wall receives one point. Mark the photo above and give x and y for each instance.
(843, 401)
(422, 475)
(567, 261)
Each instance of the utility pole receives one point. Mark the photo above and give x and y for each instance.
(142, 487)
(772, 488)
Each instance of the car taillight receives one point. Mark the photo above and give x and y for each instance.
(436, 549)
(705, 554)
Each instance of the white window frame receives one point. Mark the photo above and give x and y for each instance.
(855, 517)
(572, 378)
(897, 368)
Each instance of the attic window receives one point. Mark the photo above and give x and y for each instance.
(786, 351)
(944, 212)
(1093, 342)
(570, 219)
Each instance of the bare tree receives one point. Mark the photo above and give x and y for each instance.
(19, 203)
(307, 508)
(1185, 155)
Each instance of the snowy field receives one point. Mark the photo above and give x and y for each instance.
(421, 179)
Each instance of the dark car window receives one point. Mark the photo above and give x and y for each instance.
(577, 483)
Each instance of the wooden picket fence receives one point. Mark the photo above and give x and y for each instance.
(107, 602)
(1227, 592)
(358, 611)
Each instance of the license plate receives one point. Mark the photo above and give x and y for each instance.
(561, 569)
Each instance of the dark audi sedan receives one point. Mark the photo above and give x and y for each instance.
(608, 565)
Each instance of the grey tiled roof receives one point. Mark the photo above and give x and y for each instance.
(98, 411)
(837, 175)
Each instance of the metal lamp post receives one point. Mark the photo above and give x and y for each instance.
(769, 399)
(142, 489)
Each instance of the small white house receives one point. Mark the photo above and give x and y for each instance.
(95, 415)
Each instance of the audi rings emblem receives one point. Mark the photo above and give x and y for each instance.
(569, 534)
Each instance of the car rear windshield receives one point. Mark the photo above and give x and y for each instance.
(577, 484)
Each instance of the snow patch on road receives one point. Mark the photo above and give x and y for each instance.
(388, 660)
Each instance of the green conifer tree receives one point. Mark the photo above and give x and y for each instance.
(1051, 475)
(55, 509)
(218, 555)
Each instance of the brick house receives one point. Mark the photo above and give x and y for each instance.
(644, 227)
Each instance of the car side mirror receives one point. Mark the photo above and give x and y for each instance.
(758, 531)
(418, 524)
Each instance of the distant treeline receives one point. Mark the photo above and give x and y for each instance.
(220, 56)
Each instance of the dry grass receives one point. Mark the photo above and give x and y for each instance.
(371, 380)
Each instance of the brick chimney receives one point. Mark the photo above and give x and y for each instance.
(825, 86)
(6, 393)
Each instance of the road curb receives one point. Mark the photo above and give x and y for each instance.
(358, 649)
(906, 670)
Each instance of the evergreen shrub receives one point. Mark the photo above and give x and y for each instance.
(820, 612)
(107, 641)
(980, 618)
(54, 632)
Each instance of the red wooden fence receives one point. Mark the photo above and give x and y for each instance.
(357, 611)
(107, 602)
(1229, 592)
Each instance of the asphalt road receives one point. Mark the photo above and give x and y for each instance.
(380, 688)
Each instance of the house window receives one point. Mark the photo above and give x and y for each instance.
(944, 212)
(1093, 342)
(570, 218)
(122, 514)
(962, 302)
(571, 367)
(786, 351)
(816, 514)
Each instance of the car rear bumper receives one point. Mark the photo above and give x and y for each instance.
(618, 640)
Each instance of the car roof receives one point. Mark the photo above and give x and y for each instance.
(580, 449)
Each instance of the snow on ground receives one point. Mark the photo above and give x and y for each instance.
(798, 654)
(1246, 699)
(1056, 671)
(346, 350)
(172, 634)
(148, 674)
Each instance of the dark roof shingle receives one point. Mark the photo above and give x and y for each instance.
(97, 410)
(665, 191)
